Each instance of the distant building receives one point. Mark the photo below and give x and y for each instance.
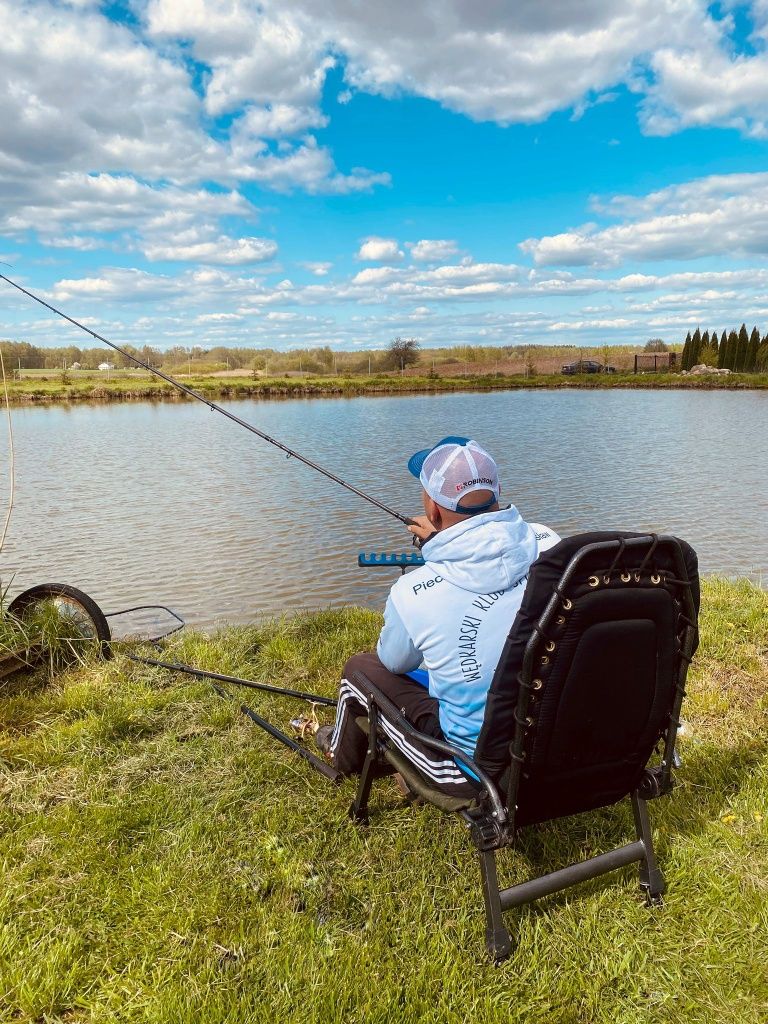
(106, 366)
(75, 366)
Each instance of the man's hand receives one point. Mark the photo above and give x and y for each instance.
(422, 527)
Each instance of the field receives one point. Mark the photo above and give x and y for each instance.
(164, 861)
(126, 385)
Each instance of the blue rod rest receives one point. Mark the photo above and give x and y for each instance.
(399, 560)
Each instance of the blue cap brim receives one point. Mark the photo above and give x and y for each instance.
(416, 461)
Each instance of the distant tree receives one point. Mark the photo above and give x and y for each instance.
(707, 355)
(695, 347)
(722, 350)
(21, 353)
(750, 361)
(730, 350)
(685, 361)
(402, 352)
(741, 350)
(714, 344)
(324, 357)
(762, 356)
(655, 345)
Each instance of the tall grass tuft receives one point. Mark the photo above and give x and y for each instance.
(44, 636)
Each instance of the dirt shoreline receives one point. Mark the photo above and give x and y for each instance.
(207, 388)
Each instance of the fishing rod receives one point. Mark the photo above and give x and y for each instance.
(190, 670)
(327, 770)
(290, 453)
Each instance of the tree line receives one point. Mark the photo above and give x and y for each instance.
(22, 355)
(399, 354)
(736, 351)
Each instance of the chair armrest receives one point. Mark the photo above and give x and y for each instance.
(397, 718)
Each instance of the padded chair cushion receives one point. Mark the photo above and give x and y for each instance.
(620, 652)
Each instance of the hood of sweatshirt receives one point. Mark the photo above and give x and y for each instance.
(488, 552)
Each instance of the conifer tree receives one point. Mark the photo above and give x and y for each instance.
(762, 356)
(705, 350)
(730, 350)
(751, 358)
(685, 359)
(715, 346)
(695, 347)
(722, 351)
(741, 350)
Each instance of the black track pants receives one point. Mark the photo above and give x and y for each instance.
(349, 743)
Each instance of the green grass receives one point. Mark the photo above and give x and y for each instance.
(43, 636)
(165, 861)
(145, 388)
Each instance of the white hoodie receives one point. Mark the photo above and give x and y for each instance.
(454, 613)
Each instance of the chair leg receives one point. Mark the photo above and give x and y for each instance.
(497, 939)
(652, 880)
(358, 811)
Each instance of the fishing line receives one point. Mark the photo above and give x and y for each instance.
(11, 457)
(290, 453)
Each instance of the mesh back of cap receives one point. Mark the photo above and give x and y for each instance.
(452, 471)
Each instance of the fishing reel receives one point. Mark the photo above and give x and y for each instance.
(305, 725)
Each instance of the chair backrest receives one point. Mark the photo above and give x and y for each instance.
(592, 674)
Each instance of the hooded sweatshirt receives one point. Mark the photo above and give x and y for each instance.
(454, 613)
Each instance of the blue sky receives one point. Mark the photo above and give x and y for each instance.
(298, 173)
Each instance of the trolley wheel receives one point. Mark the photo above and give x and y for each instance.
(87, 619)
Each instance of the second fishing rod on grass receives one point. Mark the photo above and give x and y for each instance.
(191, 393)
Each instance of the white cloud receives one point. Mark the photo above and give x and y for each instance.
(307, 166)
(81, 243)
(260, 53)
(222, 250)
(109, 203)
(714, 216)
(432, 250)
(509, 63)
(206, 318)
(92, 104)
(318, 268)
(86, 93)
(700, 87)
(280, 119)
(130, 285)
(612, 324)
(380, 250)
(206, 306)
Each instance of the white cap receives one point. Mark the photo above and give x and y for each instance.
(453, 468)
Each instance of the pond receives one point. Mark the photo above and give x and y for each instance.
(171, 503)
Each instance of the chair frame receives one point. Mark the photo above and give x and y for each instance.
(490, 818)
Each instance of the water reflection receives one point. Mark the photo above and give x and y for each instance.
(169, 502)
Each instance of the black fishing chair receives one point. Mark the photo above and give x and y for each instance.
(589, 684)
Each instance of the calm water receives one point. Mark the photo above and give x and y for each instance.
(144, 503)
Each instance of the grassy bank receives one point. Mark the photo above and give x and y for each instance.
(164, 861)
(128, 387)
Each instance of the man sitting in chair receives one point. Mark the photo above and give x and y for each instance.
(451, 615)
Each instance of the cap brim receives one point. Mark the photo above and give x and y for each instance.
(417, 461)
